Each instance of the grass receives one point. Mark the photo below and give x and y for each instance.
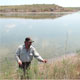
(6, 69)
(36, 8)
(66, 68)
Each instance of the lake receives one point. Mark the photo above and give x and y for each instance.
(53, 37)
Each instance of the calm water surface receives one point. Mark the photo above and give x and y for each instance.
(51, 36)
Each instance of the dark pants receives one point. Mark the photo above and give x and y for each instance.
(25, 66)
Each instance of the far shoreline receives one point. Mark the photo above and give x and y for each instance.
(36, 12)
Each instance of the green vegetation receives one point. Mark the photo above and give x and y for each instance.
(73, 8)
(66, 68)
(37, 8)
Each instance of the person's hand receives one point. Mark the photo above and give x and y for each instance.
(20, 62)
(44, 61)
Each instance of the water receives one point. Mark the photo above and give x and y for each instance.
(53, 37)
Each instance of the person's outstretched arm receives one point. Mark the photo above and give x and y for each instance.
(38, 57)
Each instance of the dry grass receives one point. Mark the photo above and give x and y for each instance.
(67, 67)
(37, 8)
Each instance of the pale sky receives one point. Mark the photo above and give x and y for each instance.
(64, 3)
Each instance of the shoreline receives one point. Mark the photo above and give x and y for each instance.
(36, 12)
(60, 58)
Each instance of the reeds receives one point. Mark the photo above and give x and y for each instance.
(68, 68)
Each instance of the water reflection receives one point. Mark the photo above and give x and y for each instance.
(34, 15)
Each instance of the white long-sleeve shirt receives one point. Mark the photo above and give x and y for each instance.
(27, 55)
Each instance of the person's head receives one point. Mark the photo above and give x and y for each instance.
(28, 41)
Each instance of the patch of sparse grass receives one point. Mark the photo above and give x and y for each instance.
(6, 69)
(63, 69)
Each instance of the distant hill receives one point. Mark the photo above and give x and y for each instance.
(37, 8)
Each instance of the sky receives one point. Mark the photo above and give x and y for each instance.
(64, 3)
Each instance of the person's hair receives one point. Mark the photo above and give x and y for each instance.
(27, 39)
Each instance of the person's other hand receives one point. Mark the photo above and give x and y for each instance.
(20, 62)
(44, 61)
